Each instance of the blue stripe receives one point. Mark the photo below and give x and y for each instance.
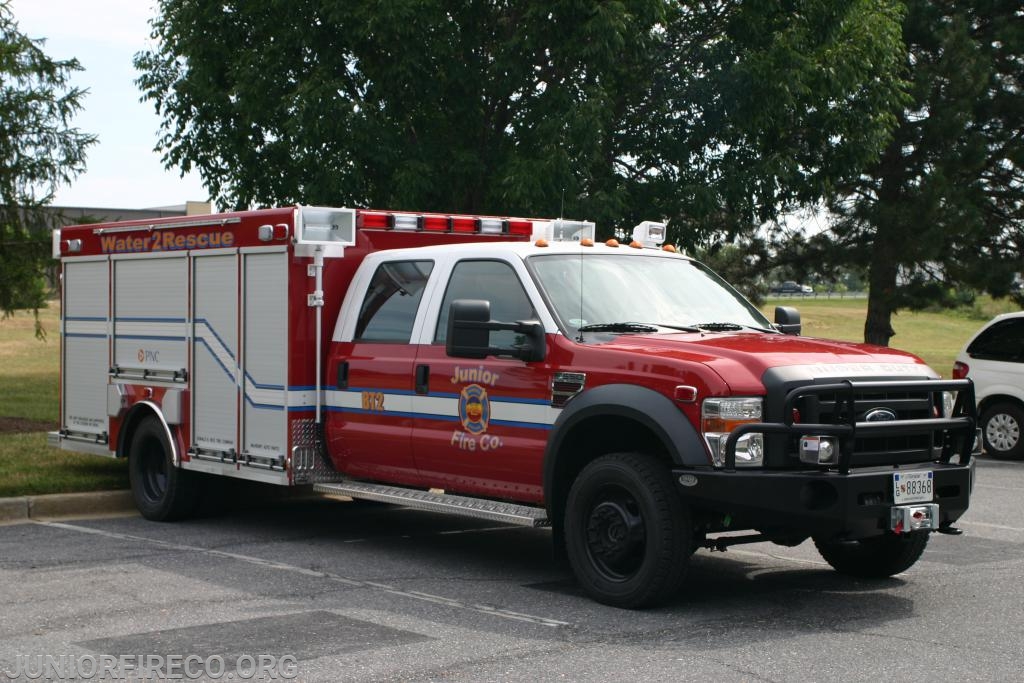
(493, 397)
(84, 335)
(86, 318)
(430, 416)
(149, 320)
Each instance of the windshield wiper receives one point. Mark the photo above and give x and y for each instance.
(634, 327)
(731, 327)
(617, 327)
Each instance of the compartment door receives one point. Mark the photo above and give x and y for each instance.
(215, 362)
(265, 354)
(85, 349)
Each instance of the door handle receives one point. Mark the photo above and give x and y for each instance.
(422, 379)
(342, 379)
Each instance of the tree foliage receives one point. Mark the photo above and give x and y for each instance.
(943, 206)
(712, 114)
(39, 151)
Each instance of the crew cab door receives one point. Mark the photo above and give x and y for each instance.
(482, 425)
(369, 422)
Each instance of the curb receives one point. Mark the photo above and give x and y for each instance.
(24, 508)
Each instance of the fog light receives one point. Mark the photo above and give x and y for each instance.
(818, 450)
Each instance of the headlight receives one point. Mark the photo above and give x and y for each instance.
(719, 416)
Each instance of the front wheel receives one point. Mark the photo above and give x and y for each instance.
(162, 492)
(627, 531)
(877, 557)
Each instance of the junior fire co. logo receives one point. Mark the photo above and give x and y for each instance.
(474, 409)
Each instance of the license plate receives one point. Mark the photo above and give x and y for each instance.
(913, 487)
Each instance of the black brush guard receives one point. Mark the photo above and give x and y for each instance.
(959, 430)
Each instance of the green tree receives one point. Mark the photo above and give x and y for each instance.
(39, 151)
(712, 114)
(943, 206)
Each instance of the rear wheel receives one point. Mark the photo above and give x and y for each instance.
(162, 492)
(874, 558)
(627, 531)
(1001, 426)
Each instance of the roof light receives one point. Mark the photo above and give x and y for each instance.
(572, 231)
(491, 226)
(612, 243)
(649, 233)
(373, 219)
(437, 223)
(405, 221)
(520, 227)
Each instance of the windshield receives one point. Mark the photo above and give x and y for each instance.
(651, 290)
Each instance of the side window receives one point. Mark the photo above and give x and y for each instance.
(392, 299)
(1004, 341)
(494, 281)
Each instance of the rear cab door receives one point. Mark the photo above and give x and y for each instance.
(369, 421)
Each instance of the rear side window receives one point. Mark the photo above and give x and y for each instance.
(392, 299)
(1003, 341)
(495, 281)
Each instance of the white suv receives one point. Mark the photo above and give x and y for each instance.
(994, 359)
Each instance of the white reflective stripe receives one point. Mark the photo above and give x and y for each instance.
(220, 352)
(535, 413)
(302, 399)
(436, 405)
(85, 327)
(133, 328)
(445, 407)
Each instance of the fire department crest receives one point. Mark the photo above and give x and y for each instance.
(474, 409)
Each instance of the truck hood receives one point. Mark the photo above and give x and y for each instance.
(741, 359)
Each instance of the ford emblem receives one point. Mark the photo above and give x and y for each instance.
(880, 415)
(688, 480)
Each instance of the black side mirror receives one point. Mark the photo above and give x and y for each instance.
(787, 320)
(470, 327)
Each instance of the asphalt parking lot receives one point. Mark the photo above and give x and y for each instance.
(360, 592)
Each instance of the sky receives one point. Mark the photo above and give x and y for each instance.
(123, 171)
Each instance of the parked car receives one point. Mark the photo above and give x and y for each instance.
(791, 287)
(994, 359)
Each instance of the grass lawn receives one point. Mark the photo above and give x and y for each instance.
(934, 336)
(28, 409)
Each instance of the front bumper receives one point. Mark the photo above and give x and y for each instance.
(824, 504)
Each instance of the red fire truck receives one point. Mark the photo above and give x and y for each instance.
(502, 368)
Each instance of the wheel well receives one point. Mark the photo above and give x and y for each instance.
(131, 422)
(590, 439)
(989, 401)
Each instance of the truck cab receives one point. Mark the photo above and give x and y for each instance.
(644, 404)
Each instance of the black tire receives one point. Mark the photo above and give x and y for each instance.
(877, 557)
(627, 531)
(1001, 426)
(162, 492)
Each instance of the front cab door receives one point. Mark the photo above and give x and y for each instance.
(481, 425)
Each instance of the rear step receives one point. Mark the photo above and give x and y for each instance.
(480, 508)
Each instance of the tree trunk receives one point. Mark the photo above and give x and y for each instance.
(881, 291)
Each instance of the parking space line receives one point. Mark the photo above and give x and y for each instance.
(330, 576)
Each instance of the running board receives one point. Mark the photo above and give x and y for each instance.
(480, 508)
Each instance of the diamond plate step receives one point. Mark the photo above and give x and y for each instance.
(509, 513)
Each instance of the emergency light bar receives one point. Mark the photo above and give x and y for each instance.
(484, 225)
